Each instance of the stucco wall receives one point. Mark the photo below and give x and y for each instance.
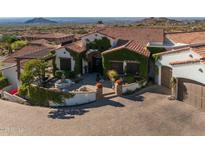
(188, 71)
(93, 36)
(63, 53)
(194, 71)
(166, 59)
(11, 74)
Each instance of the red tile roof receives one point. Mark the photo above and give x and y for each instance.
(27, 50)
(173, 51)
(77, 46)
(48, 35)
(187, 37)
(140, 35)
(185, 61)
(40, 41)
(133, 46)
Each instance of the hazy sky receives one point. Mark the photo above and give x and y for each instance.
(103, 8)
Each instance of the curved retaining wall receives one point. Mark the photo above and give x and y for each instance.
(132, 87)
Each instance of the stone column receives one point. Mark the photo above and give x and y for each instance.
(99, 91)
(118, 88)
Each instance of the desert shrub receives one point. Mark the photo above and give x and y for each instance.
(59, 73)
(3, 82)
(18, 44)
(129, 79)
(112, 74)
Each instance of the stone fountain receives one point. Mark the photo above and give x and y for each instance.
(63, 83)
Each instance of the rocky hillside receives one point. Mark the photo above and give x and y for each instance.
(158, 21)
(40, 21)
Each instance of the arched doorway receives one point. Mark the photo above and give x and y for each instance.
(95, 62)
(166, 75)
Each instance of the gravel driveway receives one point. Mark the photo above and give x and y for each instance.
(147, 114)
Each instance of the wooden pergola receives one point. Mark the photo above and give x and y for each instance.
(42, 55)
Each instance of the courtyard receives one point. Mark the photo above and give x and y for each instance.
(145, 113)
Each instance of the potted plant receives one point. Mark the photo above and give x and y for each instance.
(112, 75)
(173, 83)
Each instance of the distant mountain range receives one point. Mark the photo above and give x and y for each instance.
(40, 21)
(91, 20)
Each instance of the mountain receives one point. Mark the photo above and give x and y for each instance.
(40, 21)
(158, 21)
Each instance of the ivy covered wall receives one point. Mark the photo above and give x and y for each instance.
(122, 55)
(78, 61)
(154, 50)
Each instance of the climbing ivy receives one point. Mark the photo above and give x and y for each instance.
(78, 61)
(99, 44)
(125, 54)
(154, 50)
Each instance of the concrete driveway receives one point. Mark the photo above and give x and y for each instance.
(149, 113)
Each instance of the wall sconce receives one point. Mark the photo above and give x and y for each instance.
(191, 55)
(200, 70)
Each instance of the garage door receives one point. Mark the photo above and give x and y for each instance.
(117, 66)
(132, 68)
(166, 76)
(191, 92)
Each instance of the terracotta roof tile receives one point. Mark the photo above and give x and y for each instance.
(140, 35)
(185, 61)
(47, 35)
(133, 46)
(77, 46)
(40, 41)
(187, 37)
(173, 51)
(27, 50)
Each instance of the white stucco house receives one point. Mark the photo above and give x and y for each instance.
(187, 66)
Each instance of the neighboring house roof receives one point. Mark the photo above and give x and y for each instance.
(40, 41)
(140, 35)
(77, 46)
(27, 50)
(186, 37)
(133, 46)
(48, 35)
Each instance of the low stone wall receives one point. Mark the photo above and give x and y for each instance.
(13, 98)
(78, 99)
(133, 86)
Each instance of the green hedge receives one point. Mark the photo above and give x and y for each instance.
(78, 61)
(3, 82)
(41, 96)
(125, 54)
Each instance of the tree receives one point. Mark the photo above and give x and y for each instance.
(18, 44)
(100, 22)
(7, 40)
(34, 70)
